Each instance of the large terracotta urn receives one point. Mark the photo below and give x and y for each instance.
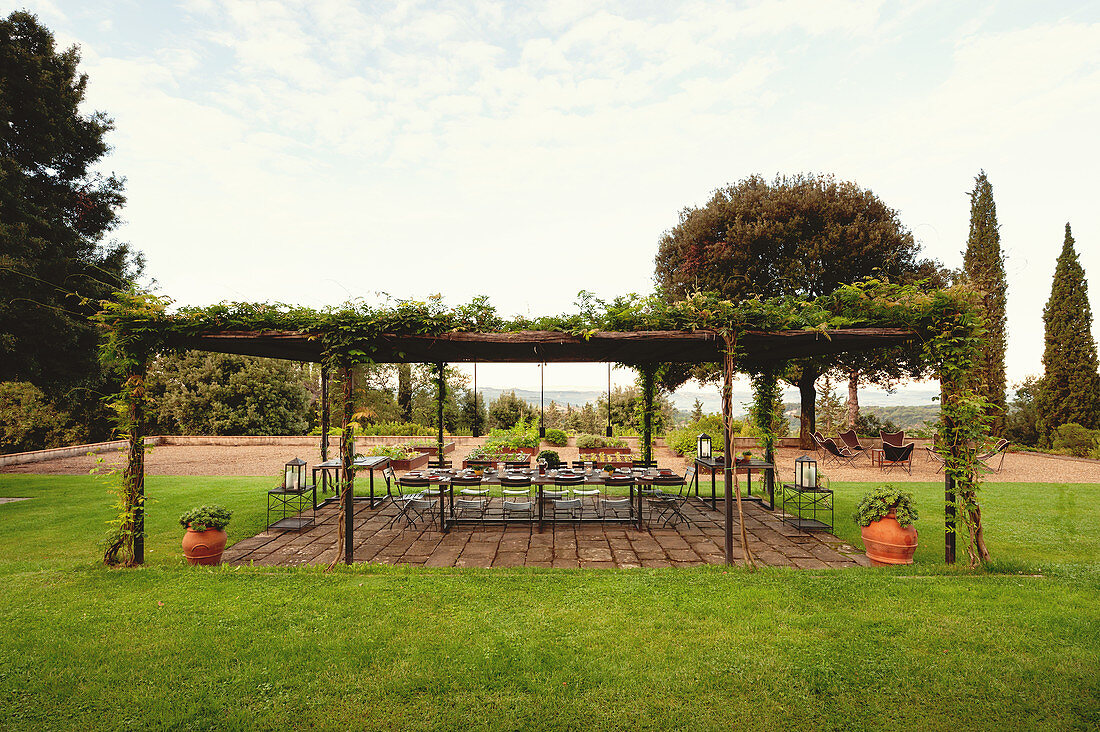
(204, 547)
(887, 542)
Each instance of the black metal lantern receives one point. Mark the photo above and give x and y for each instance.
(702, 446)
(294, 476)
(805, 472)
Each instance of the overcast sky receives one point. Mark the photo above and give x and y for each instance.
(313, 151)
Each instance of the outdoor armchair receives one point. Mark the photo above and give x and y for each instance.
(897, 439)
(936, 458)
(851, 441)
(559, 499)
(472, 496)
(893, 457)
(997, 452)
(835, 453)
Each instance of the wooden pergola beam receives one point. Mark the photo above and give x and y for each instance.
(635, 347)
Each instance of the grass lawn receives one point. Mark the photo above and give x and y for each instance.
(926, 647)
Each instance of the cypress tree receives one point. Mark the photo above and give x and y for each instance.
(985, 270)
(1070, 389)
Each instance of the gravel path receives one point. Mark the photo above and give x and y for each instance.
(269, 459)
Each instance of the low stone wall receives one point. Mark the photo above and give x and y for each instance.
(56, 453)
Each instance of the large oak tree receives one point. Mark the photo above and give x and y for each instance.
(800, 236)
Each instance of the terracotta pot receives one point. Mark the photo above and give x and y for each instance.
(204, 547)
(888, 542)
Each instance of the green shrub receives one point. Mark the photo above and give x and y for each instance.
(396, 429)
(29, 422)
(557, 438)
(588, 442)
(1075, 439)
(525, 433)
(206, 517)
(393, 452)
(880, 501)
(551, 457)
(488, 452)
(683, 440)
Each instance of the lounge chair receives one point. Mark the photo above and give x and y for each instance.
(997, 452)
(893, 457)
(897, 439)
(936, 458)
(835, 453)
(851, 441)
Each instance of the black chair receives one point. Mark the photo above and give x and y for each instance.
(472, 496)
(818, 440)
(897, 439)
(986, 459)
(643, 464)
(479, 464)
(512, 464)
(836, 454)
(516, 496)
(893, 457)
(583, 464)
(439, 463)
(936, 458)
(851, 441)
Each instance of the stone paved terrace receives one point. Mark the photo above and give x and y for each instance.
(566, 545)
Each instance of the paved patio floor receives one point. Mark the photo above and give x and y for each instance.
(699, 541)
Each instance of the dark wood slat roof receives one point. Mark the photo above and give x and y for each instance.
(637, 347)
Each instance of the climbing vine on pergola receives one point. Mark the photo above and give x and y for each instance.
(756, 336)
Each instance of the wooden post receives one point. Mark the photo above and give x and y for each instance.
(441, 395)
(727, 472)
(347, 454)
(325, 417)
(135, 469)
(949, 519)
(648, 379)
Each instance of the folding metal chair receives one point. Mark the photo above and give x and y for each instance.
(410, 500)
(516, 497)
(614, 503)
(936, 458)
(668, 506)
(559, 500)
(472, 496)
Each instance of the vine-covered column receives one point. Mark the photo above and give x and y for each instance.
(441, 397)
(732, 485)
(347, 455)
(127, 544)
(649, 394)
(325, 417)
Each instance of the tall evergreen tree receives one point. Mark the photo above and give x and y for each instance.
(1070, 389)
(984, 266)
(56, 211)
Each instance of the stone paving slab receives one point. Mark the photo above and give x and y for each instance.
(700, 540)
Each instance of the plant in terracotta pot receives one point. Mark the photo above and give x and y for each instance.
(886, 516)
(205, 539)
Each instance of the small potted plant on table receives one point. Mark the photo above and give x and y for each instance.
(205, 539)
(886, 516)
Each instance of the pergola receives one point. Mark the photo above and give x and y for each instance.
(941, 329)
(640, 349)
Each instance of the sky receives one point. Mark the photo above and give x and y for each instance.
(316, 151)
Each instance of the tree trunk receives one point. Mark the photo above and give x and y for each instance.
(808, 416)
(853, 399)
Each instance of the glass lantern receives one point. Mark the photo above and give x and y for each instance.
(805, 472)
(702, 446)
(295, 475)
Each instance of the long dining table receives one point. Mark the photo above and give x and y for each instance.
(443, 490)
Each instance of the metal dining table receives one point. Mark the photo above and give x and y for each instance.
(745, 468)
(336, 467)
(445, 490)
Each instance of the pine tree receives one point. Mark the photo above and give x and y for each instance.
(1070, 389)
(985, 270)
(697, 411)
